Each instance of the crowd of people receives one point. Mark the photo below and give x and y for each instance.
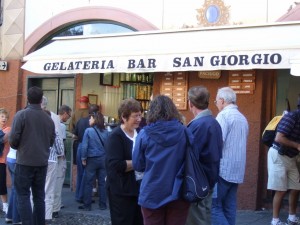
(138, 170)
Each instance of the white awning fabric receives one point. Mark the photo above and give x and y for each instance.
(228, 48)
(295, 65)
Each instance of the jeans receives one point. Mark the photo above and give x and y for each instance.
(33, 177)
(80, 179)
(12, 212)
(95, 166)
(223, 210)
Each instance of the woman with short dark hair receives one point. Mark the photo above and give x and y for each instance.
(122, 183)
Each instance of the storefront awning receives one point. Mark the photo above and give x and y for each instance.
(295, 65)
(229, 48)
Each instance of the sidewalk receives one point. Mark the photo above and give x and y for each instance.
(70, 213)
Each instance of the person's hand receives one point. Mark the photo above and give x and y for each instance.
(84, 162)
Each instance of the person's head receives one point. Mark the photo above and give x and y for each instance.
(44, 102)
(3, 116)
(93, 108)
(129, 112)
(225, 96)
(64, 113)
(34, 95)
(162, 108)
(97, 119)
(198, 97)
(84, 102)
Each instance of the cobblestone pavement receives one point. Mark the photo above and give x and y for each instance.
(71, 215)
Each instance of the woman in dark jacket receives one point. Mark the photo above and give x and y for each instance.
(159, 152)
(122, 186)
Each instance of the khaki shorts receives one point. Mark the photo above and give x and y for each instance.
(282, 172)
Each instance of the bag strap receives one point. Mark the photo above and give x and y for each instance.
(99, 136)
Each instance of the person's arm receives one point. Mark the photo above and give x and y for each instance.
(223, 124)
(128, 165)
(84, 147)
(16, 132)
(115, 154)
(282, 140)
(59, 145)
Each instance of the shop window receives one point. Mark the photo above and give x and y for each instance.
(89, 28)
(287, 88)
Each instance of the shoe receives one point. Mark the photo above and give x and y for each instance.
(7, 220)
(55, 215)
(84, 208)
(5, 207)
(79, 201)
(102, 207)
(48, 222)
(297, 222)
(279, 223)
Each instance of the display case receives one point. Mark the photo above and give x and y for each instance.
(138, 86)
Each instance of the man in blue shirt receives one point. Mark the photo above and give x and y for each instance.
(208, 141)
(282, 167)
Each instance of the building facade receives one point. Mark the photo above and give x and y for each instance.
(29, 26)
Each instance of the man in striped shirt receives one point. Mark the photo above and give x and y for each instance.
(235, 131)
(282, 168)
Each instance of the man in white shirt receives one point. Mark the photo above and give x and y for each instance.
(64, 114)
(235, 131)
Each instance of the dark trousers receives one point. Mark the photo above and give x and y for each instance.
(27, 177)
(3, 188)
(80, 178)
(173, 213)
(124, 210)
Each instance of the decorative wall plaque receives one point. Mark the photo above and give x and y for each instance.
(242, 81)
(174, 85)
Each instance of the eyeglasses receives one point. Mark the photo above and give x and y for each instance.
(68, 113)
(138, 116)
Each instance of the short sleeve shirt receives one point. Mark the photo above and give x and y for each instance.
(289, 125)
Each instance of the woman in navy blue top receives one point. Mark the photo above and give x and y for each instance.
(122, 182)
(159, 152)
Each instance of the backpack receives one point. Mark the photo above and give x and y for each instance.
(195, 183)
(269, 133)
